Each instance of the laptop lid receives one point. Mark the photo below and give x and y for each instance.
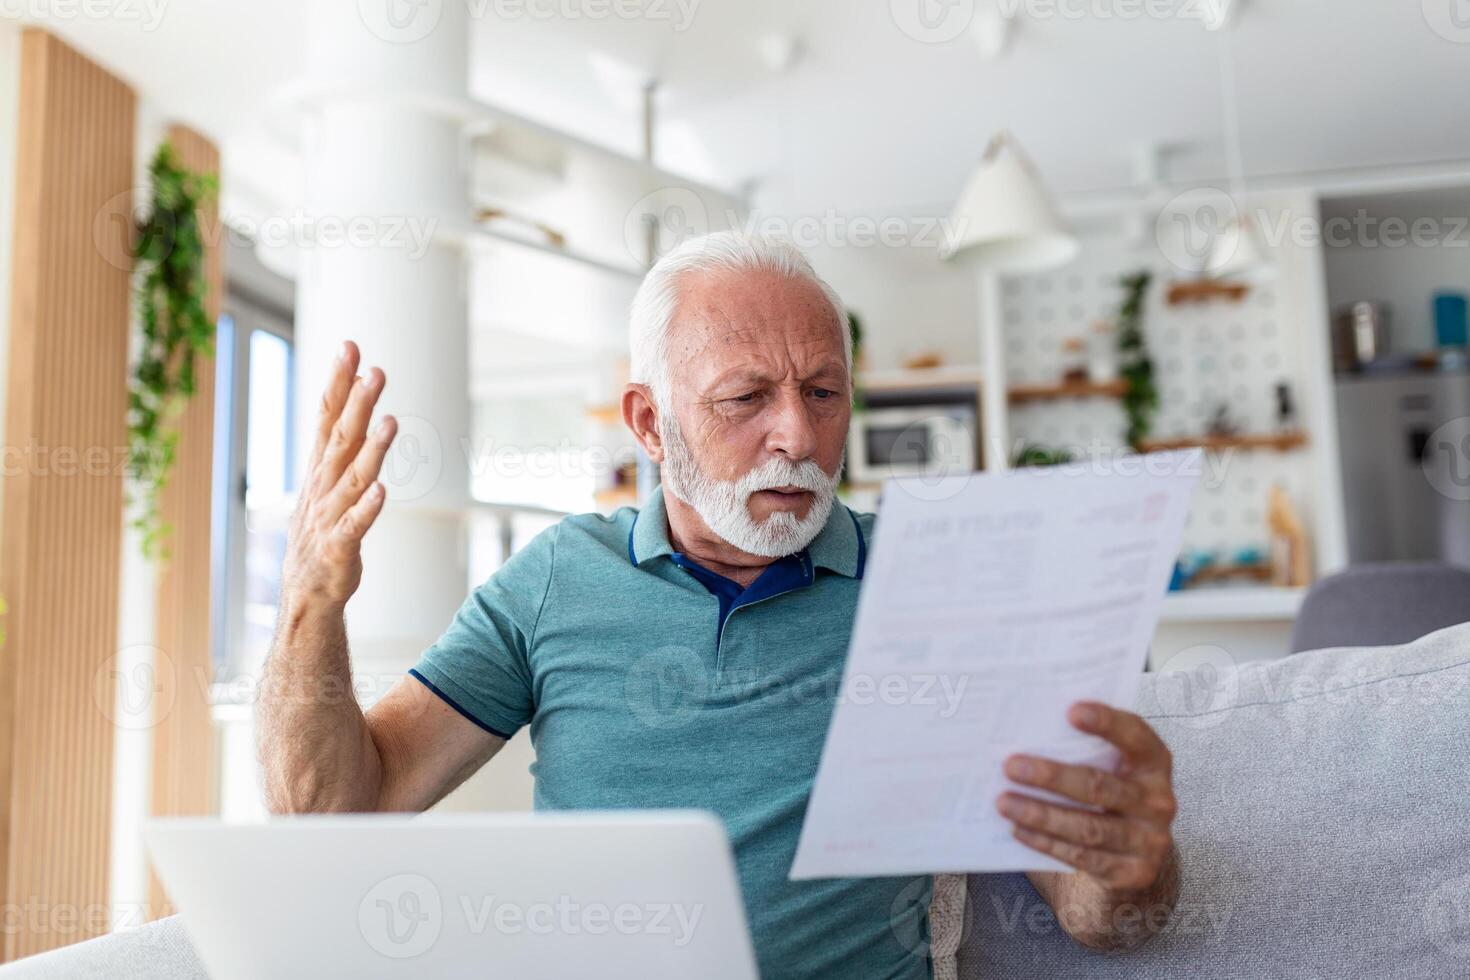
(608, 894)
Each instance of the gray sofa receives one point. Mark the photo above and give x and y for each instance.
(1324, 827)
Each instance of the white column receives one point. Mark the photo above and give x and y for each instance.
(995, 428)
(384, 170)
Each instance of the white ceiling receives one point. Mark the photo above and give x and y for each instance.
(872, 120)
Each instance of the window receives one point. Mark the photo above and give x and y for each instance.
(253, 473)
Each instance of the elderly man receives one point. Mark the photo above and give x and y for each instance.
(735, 586)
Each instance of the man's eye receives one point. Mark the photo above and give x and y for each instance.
(747, 397)
(823, 393)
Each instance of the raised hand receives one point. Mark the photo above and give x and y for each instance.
(340, 495)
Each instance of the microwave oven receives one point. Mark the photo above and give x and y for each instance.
(911, 440)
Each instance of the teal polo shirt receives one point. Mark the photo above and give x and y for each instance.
(650, 682)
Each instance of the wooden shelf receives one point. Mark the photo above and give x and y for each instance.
(1279, 441)
(1224, 573)
(920, 379)
(1205, 291)
(1020, 394)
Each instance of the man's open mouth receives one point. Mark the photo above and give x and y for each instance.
(785, 496)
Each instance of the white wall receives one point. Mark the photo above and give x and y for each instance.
(132, 774)
(1404, 278)
(910, 302)
(1382, 264)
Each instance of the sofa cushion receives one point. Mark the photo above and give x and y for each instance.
(1324, 809)
(157, 951)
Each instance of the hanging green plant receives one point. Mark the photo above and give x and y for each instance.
(1032, 454)
(855, 329)
(1141, 399)
(175, 329)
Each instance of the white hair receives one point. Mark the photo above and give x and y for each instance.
(724, 251)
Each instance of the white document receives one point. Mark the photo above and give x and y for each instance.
(990, 604)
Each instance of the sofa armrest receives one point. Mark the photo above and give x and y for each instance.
(156, 951)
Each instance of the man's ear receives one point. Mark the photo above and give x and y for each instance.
(640, 415)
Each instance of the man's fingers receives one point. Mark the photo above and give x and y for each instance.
(1140, 744)
(334, 397)
(350, 430)
(1095, 831)
(362, 472)
(1085, 784)
(351, 526)
(1114, 870)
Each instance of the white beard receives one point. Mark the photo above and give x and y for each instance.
(724, 505)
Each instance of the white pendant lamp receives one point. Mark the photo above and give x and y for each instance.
(1005, 220)
(1236, 253)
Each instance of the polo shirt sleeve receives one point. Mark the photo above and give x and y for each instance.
(481, 665)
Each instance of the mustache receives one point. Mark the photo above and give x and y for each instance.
(805, 475)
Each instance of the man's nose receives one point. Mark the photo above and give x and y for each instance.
(792, 434)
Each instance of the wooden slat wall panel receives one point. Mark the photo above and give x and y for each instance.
(183, 748)
(59, 549)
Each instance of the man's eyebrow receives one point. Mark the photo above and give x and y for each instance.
(736, 377)
(742, 375)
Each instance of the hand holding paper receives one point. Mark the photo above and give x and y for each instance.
(1025, 593)
(1122, 837)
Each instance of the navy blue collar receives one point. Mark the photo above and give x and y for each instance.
(839, 547)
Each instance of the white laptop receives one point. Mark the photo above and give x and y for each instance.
(590, 894)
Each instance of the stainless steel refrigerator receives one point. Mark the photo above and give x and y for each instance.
(1405, 443)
